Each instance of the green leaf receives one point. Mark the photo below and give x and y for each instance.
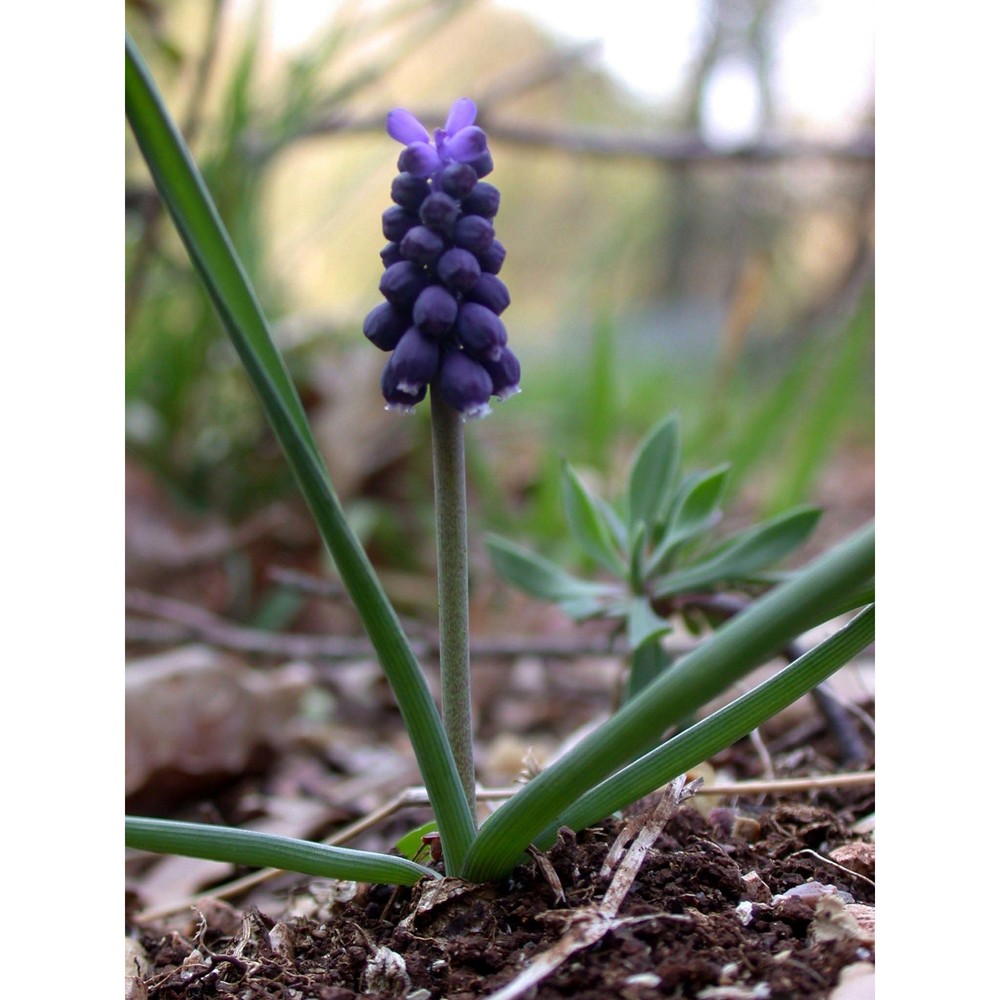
(844, 364)
(615, 524)
(636, 550)
(412, 843)
(729, 654)
(653, 472)
(693, 513)
(539, 577)
(720, 730)
(187, 199)
(267, 850)
(589, 524)
(649, 661)
(644, 624)
(745, 555)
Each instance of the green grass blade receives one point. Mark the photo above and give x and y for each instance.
(729, 654)
(719, 730)
(820, 424)
(267, 850)
(190, 205)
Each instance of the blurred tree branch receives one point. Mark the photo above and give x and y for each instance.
(155, 619)
(681, 149)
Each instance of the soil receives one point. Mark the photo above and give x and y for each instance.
(713, 922)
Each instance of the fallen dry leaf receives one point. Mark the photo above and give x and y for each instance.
(196, 712)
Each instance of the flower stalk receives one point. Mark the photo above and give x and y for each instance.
(448, 446)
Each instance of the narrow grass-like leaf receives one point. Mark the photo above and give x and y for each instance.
(597, 408)
(184, 194)
(541, 578)
(729, 654)
(653, 472)
(694, 509)
(588, 523)
(267, 850)
(719, 730)
(846, 363)
(745, 555)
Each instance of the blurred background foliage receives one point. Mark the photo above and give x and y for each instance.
(653, 268)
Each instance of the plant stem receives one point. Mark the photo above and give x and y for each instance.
(448, 445)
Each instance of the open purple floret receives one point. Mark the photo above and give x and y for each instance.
(440, 320)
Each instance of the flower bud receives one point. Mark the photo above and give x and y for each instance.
(384, 326)
(415, 361)
(505, 374)
(421, 245)
(465, 385)
(473, 233)
(439, 211)
(483, 199)
(489, 291)
(419, 159)
(467, 145)
(492, 258)
(480, 331)
(396, 222)
(390, 254)
(404, 402)
(409, 191)
(458, 269)
(457, 180)
(435, 310)
(401, 283)
(483, 164)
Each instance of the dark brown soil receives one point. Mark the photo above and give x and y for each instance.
(694, 938)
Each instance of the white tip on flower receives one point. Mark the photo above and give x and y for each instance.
(476, 412)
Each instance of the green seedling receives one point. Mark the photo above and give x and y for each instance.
(656, 542)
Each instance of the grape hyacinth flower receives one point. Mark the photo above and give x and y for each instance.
(441, 315)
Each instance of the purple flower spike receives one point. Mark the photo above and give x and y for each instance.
(440, 320)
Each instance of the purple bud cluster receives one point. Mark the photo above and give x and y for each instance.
(441, 315)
